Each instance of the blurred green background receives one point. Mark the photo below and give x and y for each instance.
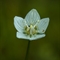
(12, 48)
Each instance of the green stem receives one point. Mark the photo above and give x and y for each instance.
(26, 58)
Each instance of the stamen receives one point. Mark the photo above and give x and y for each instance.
(31, 26)
(31, 29)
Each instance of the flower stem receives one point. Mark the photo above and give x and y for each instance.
(26, 58)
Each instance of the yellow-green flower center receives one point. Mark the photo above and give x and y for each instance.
(31, 29)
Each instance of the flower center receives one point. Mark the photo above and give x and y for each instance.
(31, 29)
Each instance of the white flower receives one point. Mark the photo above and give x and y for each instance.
(32, 27)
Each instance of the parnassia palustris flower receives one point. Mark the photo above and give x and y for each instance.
(32, 27)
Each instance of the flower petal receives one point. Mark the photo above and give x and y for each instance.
(19, 23)
(37, 37)
(23, 36)
(42, 26)
(32, 17)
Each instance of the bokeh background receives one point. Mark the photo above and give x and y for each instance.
(12, 48)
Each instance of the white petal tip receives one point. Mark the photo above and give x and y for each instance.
(15, 17)
(34, 9)
(47, 18)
